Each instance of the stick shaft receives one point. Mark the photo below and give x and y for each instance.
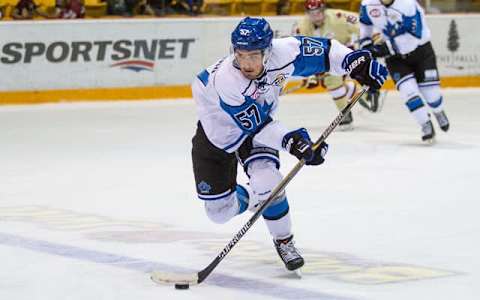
(202, 275)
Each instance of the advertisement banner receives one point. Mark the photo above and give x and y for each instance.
(50, 55)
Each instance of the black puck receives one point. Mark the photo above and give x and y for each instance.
(182, 286)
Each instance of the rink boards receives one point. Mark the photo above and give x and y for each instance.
(50, 61)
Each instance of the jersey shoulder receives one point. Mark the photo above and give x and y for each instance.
(229, 82)
(339, 17)
(408, 7)
(339, 13)
(284, 51)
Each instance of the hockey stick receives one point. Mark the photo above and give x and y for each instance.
(293, 88)
(199, 277)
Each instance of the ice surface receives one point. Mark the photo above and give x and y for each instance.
(94, 196)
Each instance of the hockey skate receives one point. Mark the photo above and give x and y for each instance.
(347, 123)
(442, 120)
(289, 254)
(373, 101)
(428, 132)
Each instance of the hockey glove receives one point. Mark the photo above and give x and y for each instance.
(380, 50)
(377, 49)
(299, 144)
(367, 71)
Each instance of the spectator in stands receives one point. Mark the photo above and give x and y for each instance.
(26, 10)
(124, 8)
(161, 7)
(69, 9)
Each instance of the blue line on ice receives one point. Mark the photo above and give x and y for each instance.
(220, 280)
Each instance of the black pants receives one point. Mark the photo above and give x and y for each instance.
(215, 170)
(421, 62)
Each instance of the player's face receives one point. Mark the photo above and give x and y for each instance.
(387, 2)
(317, 16)
(250, 63)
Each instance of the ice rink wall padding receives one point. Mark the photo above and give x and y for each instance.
(90, 60)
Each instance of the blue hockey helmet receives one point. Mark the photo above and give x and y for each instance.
(252, 34)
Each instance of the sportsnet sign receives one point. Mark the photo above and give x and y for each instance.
(91, 54)
(130, 54)
(100, 54)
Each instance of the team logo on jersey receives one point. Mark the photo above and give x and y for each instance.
(312, 47)
(375, 13)
(135, 65)
(204, 187)
(279, 79)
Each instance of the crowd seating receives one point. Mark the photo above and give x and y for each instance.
(266, 7)
(98, 8)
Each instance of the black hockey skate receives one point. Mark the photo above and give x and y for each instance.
(442, 120)
(289, 254)
(428, 132)
(346, 123)
(373, 100)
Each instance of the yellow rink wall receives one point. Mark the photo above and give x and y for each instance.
(162, 92)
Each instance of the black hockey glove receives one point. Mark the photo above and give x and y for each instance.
(364, 69)
(377, 49)
(380, 50)
(299, 144)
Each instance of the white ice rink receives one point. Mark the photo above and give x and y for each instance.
(94, 196)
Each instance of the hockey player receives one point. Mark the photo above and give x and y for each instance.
(320, 21)
(236, 98)
(409, 56)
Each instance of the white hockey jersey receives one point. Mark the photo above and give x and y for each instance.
(402, 24)
(231, 107)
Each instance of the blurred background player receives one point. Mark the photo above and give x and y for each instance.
(236, 100)
(320, 21)
(409, 56)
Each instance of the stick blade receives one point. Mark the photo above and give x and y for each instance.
(173, 278)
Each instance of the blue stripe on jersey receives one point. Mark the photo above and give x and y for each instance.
(250, 115)
(276, 211)
(364, 18)
(313, 56)
(414, 103)
(203, 76)
(414, 25)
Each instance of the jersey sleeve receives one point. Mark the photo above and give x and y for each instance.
(313, 56)
(412, 21)
(318, 55)
(366, 24)
(336, 56)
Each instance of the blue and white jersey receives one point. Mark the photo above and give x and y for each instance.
(402, 24)
(231, 107)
